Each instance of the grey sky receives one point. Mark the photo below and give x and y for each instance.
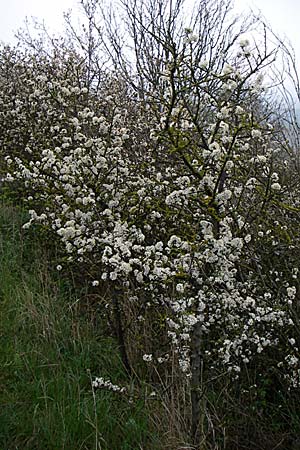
(283, 15)
(13, 13)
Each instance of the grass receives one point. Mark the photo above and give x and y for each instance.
(49, 353)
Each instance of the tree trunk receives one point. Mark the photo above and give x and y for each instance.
(197, 399)
(120, 330)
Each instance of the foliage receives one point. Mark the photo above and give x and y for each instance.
(168, 181)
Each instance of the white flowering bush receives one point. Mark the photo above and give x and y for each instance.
(175, 202)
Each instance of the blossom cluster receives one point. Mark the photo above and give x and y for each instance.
(174, 212)
(101, 383)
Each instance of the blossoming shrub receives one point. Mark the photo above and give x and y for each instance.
(177, 208)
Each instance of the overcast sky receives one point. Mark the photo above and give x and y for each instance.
(13, 13)
(283, 15)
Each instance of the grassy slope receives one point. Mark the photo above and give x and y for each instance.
(48, 355)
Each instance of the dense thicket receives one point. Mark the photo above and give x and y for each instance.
(167, 176)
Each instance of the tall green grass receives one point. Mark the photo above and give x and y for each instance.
(49, 353)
